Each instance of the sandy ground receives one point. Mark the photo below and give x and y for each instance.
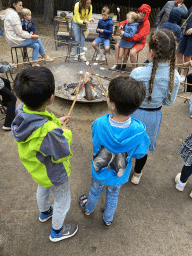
(152, 218)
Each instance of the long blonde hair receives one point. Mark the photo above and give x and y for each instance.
(163, 44)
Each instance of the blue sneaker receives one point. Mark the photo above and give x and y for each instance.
(44, 217)
(67, 231)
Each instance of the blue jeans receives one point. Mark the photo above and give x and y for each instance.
(62, 200)
(79, 37)
(95, 192)
(36, 45)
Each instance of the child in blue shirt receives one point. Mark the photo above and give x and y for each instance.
(105, 29)
(117, 138)
(27, 25)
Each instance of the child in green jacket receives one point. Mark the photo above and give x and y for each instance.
(44, 147)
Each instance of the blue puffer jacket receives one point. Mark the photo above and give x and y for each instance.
(107, 25)
(172, 24)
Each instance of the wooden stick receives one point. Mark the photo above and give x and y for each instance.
(186, 20)
(183, 97)
(69, 113)
(98, 81)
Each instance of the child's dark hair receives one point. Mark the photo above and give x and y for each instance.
(127, 94)
(34, 86)
(14, 2)
(163, 43)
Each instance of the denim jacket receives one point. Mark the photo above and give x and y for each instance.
(160, 91)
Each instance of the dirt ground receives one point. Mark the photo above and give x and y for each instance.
(152, 218)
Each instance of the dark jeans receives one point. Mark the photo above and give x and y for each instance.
(185, 173)
(9, 101)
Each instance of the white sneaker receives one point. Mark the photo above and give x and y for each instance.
(83, 58)
(98, 56)
(190, 194)
(179, 185)
(6, 128)
(136, 178)
(48, 59)
(104, 57)
(114, 67)
(76, 57)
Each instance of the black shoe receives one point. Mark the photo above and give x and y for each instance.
(147, 61)
(118, 67)
(123, 67)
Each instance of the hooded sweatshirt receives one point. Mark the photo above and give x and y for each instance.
(107, 26)
(172, 24)
(144, 25)
(14, 34)
(44, 148)
(132, 141)
(188, 16)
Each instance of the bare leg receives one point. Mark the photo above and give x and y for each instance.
(95, 46)
(107, 48)
(133, 57)
(186, 59)
(126, 56)
(121, 54)
(116, 53)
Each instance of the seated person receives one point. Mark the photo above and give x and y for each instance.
(105, 29)
(27, 25)
(129, 30)
(140, 38)
(8, 98)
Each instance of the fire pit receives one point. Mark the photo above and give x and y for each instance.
(67, 79)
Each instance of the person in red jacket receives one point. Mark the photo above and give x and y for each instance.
(143, 30)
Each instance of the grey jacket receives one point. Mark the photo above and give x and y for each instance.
(3, 69)
(163, 15)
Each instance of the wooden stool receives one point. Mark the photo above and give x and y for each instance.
(16, 54)
(71, 44)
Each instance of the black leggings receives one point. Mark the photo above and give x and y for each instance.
(140, 163)
(9, 101)
(185, 173)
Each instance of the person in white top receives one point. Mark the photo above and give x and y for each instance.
(16, 37)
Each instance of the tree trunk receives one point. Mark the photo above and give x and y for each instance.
(1, 5)
(48, 11)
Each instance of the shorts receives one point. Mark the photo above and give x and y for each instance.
(185, 45)
(139, 46)
(99, 40)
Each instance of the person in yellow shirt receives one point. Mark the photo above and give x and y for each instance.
(82, 15)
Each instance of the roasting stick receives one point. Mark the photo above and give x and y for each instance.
(98, 80)
(72, 106)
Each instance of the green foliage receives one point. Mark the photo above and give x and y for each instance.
(111, 15)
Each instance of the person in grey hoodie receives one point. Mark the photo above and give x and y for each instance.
(163, 15)
(16, 37)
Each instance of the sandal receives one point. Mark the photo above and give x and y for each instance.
(107, 225)
(82, 202)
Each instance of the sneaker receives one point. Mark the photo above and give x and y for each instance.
(44, 217)
(190, 194)
(76, 57)
(82, 57)
(99, 56)
(136, 178)
(104, 57)
(118, 67)
(48, 59)
(6, 128)
(67, 231)
(179, 185)
(114, 67)
(123, 67)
